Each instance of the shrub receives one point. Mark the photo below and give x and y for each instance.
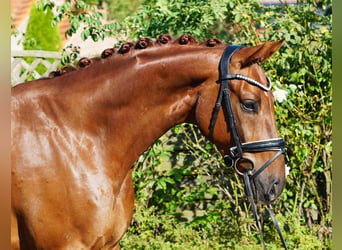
(302, 68)
(40, 33)
(119, 9)
(178, 17)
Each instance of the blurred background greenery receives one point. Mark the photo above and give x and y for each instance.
(186, 198)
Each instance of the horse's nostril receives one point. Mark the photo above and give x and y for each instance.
(272, 193)
(275, 184)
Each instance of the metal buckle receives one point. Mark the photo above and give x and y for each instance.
(244, 160)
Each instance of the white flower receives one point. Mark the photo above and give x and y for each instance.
(287, 170)
(280, 94)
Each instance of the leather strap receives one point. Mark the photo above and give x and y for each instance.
(236, 152)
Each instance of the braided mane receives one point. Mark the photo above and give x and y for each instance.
(142, 43)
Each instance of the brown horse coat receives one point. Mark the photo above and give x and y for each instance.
(76, 135)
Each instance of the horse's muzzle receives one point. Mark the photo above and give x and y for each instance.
(267, 190)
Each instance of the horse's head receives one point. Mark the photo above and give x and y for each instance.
(244, 129)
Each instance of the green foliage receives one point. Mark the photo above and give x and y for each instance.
(171, 180)
(151, 18)
(222, 221)
(176, 17)
(119, 9)
(78, 13)
(40, 34)
(303, 69)
(70, 54)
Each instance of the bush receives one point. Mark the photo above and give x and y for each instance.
(40, 33)
(120, 9)
(302, 68)
(179, 17)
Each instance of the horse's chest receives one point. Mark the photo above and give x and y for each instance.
(108, 214)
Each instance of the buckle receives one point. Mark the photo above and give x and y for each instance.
(228, 160)
(244, 165)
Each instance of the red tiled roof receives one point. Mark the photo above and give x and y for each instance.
(20, 9)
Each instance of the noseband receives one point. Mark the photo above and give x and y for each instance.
(236, 153)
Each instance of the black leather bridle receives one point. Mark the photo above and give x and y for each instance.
(236, 153)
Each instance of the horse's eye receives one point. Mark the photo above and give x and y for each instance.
(249, 105)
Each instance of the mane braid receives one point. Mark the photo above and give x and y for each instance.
(142, 43)
(186, 39)
(83, 62)
(125, 47)
(212, 42)
(164, 39)
(61, 71)
(107, 52)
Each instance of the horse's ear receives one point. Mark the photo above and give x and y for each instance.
(259, 53)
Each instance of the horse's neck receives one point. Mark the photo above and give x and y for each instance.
(138, 97)
(153, 95)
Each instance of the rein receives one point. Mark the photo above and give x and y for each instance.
(235, 156)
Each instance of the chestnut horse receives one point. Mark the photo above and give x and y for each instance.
(77, 133)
